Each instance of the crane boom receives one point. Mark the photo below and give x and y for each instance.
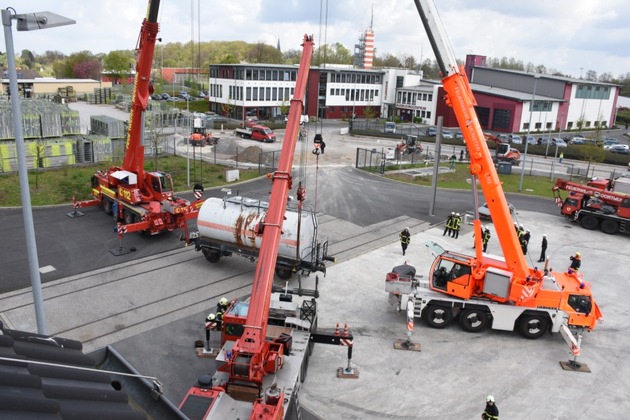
(142, 89)
(462, 101)
(251, 347)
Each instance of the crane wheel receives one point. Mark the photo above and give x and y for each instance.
(438, 316)
(533, 326)
(108, 206)
(590, 222)
(473, 320)
(610, 227)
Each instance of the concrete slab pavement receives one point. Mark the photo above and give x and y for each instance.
(451, 376)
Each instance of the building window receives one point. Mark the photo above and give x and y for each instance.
(267, 94)
(248, 94)
(255, 94)
(332, 91)
(248, 74)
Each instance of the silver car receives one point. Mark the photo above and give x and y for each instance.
(484, 211)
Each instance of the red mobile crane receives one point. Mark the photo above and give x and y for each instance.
(485, 290)
(594, 205)
(266, 342)
(144, 201)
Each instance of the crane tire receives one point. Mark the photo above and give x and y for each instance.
(610, 227)
(473, 320)
(108, 206)
(438, 316)
(590, 222)
(533, 326)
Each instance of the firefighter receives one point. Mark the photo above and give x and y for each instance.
(222, 305)
(405, 239)
(456, 224)
(449, 221)
(576, 262)
(211, 324)
(452, 160)
(525, 241)
(485, 238)
(543, 249)
(491, 412)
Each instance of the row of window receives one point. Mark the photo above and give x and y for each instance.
(548, 126)
(541, 106)
(355, 94)
(592, 92)
(268, 94)
(339, 77)
(411, 98)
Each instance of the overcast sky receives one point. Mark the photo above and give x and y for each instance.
(571, 36)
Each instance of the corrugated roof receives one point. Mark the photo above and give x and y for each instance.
(32, 390)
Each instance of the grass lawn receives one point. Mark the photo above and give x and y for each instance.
(58, 186)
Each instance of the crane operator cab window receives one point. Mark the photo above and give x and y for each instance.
(581, 303)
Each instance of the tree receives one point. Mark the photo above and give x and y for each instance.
(369, 112)
(591, 75)
(27, 58)
(90, 69)
(117, 64)
(263, 53)
(388, 60)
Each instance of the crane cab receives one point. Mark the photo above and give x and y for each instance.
(161, 185)
(452, 273)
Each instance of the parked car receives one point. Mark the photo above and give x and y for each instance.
(556, 141)
(459, 135)
(484, 211)
(610, 141)
(621, 149)
(165, 96)
(578, 140)
(431, 131)
(531, 140)
(447, 134)
(504, 138)
(516, 139)
(156, 97)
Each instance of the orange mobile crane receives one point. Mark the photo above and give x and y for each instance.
(504, 152)
(266, 341)
(143, 201)
(485, 290)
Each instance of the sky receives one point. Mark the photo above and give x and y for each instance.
(571, 36)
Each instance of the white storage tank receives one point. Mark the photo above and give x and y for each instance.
(235, 220)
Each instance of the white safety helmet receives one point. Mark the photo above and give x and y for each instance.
(544, 235)
(578, 254)
(452, 213)
(521, 226)
(457, 214)
(223, 301)
(210, 317)
(490, 398)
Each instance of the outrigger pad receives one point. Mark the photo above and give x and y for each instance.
(119, 251)
(575, 366)
(74, 214)
(407, 345)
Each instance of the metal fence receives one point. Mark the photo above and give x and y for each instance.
(379, 127)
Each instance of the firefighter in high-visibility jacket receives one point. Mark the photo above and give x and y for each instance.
(456, 225)
(485, 238)
(449, 222)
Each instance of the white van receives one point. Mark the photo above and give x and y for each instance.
(390, 127)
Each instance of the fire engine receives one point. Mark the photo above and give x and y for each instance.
(594, 206)
(485, 290)
(143, 201)
(267, 341)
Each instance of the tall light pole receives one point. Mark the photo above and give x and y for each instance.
(27, 22)
(529, 129)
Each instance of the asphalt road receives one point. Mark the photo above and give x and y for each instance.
(71, 246)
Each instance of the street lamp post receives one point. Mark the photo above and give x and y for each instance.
(27, 22)
(529, 129)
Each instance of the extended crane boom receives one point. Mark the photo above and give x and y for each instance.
(461, 99)
(252, 345)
